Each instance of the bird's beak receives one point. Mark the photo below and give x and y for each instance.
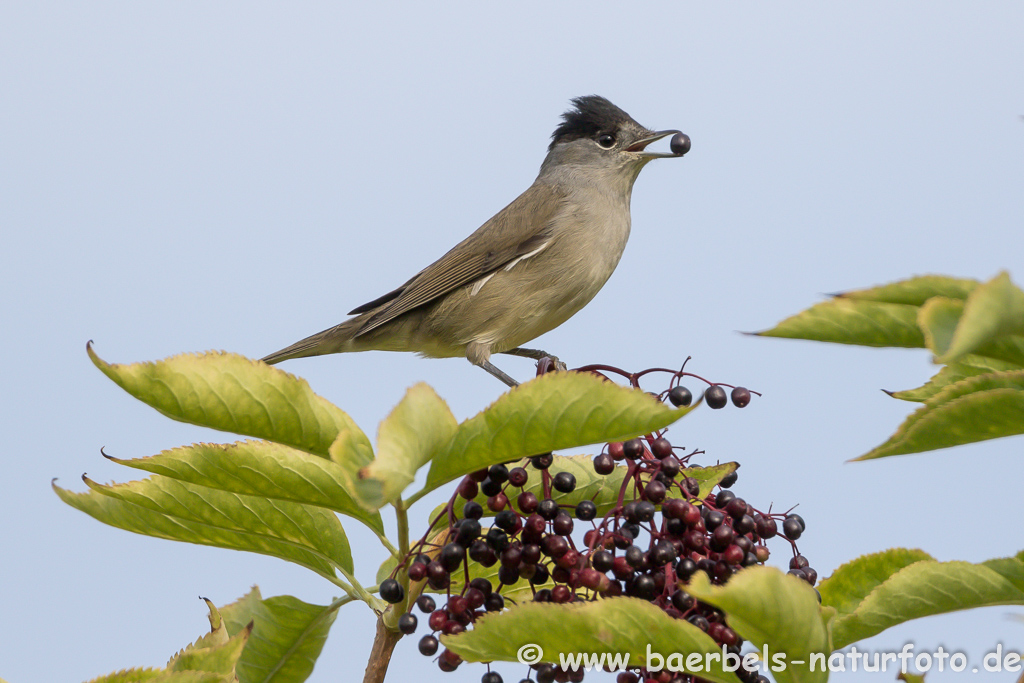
(640, 145)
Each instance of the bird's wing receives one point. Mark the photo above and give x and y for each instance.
(518, 230)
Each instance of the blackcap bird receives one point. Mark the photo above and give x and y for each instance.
(529, 268)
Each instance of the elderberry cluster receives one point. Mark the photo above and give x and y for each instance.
(647, 544)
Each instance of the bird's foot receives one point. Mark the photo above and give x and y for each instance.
(553, 363)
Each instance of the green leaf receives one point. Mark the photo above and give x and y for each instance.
(775, 611)
(916, 290)
(613, 625)
(260, 468)
(938, 318)
(853, 321)
(166, 508)
(134, 676)
(556, 411)
(232, 393)
(603, 490)
(993, 310)
(289, 635)
(211, 657)
(919, 589)
(973, 409)
(407, 439)
(853, 581)
(970, 365)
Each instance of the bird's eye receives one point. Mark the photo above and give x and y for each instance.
(606, 140)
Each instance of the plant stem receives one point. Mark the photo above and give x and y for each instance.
(380, 654)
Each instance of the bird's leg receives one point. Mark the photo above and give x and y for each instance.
(537, 354)
(496, 372)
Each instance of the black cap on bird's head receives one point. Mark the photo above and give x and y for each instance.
(593, 114)
(595, 118)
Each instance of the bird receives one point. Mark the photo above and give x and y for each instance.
(528, 269)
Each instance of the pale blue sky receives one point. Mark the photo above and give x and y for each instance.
(186, 176)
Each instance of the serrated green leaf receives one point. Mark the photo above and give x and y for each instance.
(128, 676)
(407, 439)
(288, 636)
(217, 659)
(853, 321)
(260, 468)
(970, 365)
(614, 625)
(775, 611)
(973, 409)
(556, 411)
(916, 290)
(995, 309)
(853, 581)
(232, 393)
(602, 489)
(166, 508)
(926, 588)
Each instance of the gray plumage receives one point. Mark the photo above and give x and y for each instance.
(525, 271)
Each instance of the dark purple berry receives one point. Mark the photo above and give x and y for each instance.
(498, 473)
(634, 557)
(518, 476)
(670, 467)
(683, 601)
(662, 554)
(713, 519)
(428, 646)
(644, 588)
(686, 568)
(586, 510)
(527, 502)
(472, 510)
(489, 487)
(506, 520)
(792, 528)
(661, 448)
(450, 556)
(562, 524)
(743, 525)
(407, 623)
(468, 489)
(740, 397)
(548, 509)
(602, 560)
(564, 482)
(491, 677)
(654, 492)
(766, 526)
(426, 604)
(715, 397)
(679, 144)
(497, 539)
(543, 461)
(391, 591)
(728, 480)
(645, 511)
(680, 396)
(467, 531)
(604, 464)
(633, 449)
(494, 602)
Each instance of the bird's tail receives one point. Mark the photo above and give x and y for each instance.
(338, 339)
